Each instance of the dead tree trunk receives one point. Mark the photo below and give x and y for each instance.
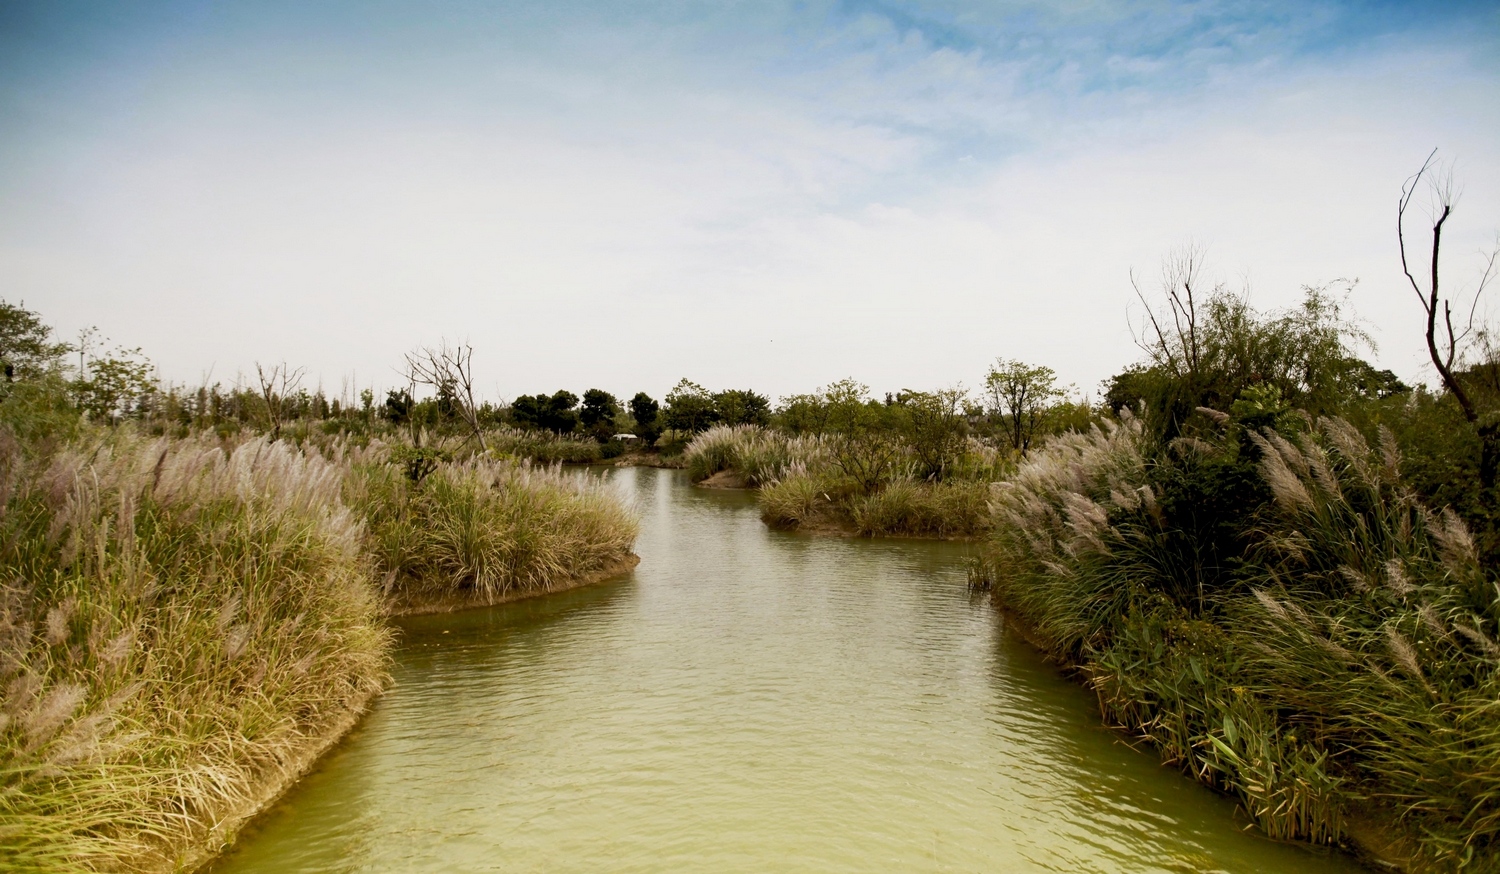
(1444, 340)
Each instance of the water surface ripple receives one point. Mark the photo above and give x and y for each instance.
(745, 700)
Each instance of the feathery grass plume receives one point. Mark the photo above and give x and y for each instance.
(1279, 473)
(1403, 690)
(759, 455)
(718, 449)
(137, 713)
(1299, 684)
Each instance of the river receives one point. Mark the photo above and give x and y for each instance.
(745, 700)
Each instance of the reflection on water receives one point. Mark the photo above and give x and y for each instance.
(744, 700)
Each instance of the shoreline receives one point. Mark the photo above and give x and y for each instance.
(220, 837)
(419, 605)
(1372, 837)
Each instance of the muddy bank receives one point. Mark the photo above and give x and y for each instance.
(724, 479)
(419, 604)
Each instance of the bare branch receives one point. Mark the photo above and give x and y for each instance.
(1408, 188)
(276, 385)
(449, 371)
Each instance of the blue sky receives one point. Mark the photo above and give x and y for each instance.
(770, 195)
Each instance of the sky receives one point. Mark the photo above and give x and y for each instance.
(767, 195)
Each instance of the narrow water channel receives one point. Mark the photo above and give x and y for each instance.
(745, 700)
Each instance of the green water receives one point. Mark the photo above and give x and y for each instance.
(745, 700)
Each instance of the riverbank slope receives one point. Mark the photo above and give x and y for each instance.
(192, 623)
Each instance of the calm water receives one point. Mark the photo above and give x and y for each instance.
(745, 700)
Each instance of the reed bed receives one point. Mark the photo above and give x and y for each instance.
(484, 529)
(801, 486)
(183, 620)
(542, 447)
(179, 620)
(1345, 662)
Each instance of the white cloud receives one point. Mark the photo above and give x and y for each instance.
(869, 201)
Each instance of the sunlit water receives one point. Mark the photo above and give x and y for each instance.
(745, 700)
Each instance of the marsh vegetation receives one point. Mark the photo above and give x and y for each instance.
(196, 589)
(1274, 562)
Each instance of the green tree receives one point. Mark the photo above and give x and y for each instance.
(26, 345)
(935, 429)
(598, 413)
(397, 407)
(644, 409)
(1019, 395)
(861, 435)
(689, 408)
(742, 407)
(1205, 347)
(554, 412)
(803, 414)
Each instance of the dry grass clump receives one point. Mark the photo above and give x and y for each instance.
(484, 529)
(1350, 655)
(759, 455)
(177, 620)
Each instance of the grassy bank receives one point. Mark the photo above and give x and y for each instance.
(179, 620)
(1280, 615)
(186, 621)
(866, 483)
(482, 531)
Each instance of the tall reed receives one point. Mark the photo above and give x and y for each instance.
(483, 529)
(1349, 656)
(178, 621)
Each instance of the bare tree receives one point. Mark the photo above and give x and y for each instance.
(1178, 345)
(1447, 343)
(276, 385)
(449, 370)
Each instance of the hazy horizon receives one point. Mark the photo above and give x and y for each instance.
(768, 196)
